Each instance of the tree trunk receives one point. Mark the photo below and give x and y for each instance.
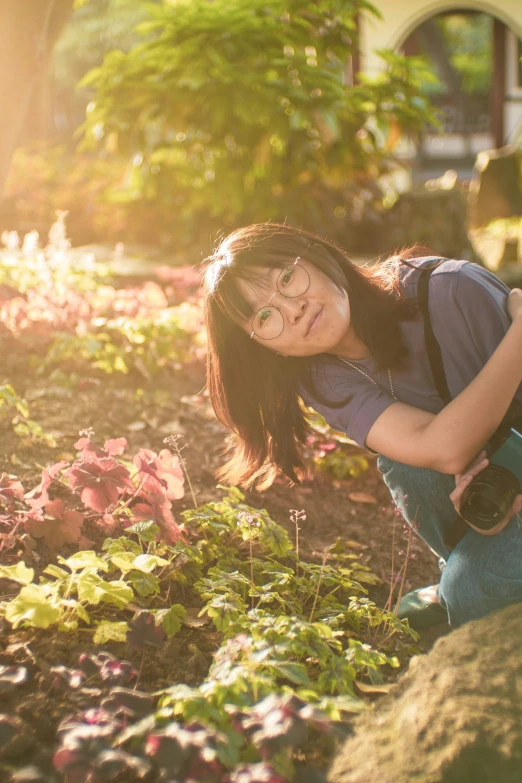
(28, 31)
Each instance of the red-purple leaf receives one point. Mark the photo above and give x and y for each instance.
(158, 509)
(145, 461)
(143, 630)
(64, 677)
(160, 473)
(58, 527)
(39, 496)
(116, 446)
(88, 448)
(127, 701)
(256, 773)
(99, 482)
(11, 677)
(120, 672)
(170, 471)
(10, 488)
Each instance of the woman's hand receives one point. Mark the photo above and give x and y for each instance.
(463, 480)
(514, 304)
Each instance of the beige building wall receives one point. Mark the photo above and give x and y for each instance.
(400, 17)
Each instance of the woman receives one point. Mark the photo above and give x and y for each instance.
(290, 318)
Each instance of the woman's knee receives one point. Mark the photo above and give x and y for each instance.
(481, 575)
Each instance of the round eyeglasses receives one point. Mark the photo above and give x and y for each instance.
(268, 323)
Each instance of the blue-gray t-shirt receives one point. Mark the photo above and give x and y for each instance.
(469, 318)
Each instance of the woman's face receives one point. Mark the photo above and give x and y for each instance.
(316, 321)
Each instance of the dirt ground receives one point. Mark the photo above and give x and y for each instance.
(145, 413)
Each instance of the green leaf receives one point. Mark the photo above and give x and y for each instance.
(229, 752)
(114, 546)
(94, 590)
(108, 631)
(148, 563)
(171, 619)
(123, 561)
(126, 561)
(68, 626)
(234, 493)
(82, 613)
(147, 530)
(144, 584)
(86, 559)
(343, 704)
(59, 573)
(17, 573)
(295, 672)
(33, 606)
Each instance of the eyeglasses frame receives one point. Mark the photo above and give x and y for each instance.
(277, 291)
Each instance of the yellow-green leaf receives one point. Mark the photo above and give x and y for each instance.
(18, 573)
(110, 632)
(93, 590)
(124, 561)
(148, 563)
(32, 606)
(59, 573)
(85, 559)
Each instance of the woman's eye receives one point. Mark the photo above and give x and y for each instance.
(264, 316)
(287, 276)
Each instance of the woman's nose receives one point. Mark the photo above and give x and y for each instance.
(292, 308)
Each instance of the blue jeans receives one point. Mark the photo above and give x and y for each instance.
(482, 573)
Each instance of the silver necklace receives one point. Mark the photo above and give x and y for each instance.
(354, 367)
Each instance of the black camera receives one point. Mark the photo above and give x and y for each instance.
(489, 497)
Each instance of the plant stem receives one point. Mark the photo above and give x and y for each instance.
(141, 668)
(251, 569)
(402, 574)
(325, 554)
(172, 440)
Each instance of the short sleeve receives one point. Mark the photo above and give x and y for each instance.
(366, 402)
(469, 316)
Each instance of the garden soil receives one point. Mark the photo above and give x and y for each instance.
(145, 413)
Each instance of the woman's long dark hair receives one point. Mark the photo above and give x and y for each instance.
(253, 390)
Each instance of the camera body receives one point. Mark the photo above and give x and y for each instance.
(490, 495)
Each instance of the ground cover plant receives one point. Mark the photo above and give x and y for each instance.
(155, 626)
(63, 309)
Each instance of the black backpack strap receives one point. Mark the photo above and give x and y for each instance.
(432, 346)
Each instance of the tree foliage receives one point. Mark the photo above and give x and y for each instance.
(234, 111)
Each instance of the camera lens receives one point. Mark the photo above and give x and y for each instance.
(489, 497)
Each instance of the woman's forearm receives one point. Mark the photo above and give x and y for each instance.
(462, 428)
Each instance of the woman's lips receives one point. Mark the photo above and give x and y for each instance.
(315, 321)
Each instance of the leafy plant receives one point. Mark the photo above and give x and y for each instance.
(11, 403)
(234, 99)
(332, 452)
(291, 659)
(61, 305)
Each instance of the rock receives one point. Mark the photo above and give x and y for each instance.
(454, 716)
(495, 206)
(496, 189)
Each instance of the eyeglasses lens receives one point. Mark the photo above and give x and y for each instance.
(268, 322)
